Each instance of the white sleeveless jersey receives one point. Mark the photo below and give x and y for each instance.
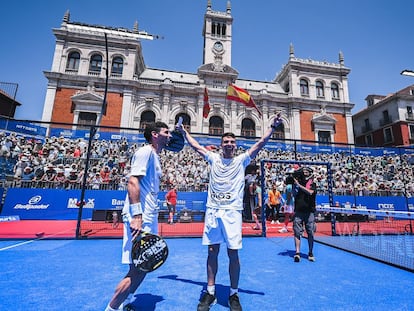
(226, 186)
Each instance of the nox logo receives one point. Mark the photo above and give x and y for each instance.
(387, 206)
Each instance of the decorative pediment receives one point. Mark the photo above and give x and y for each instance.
(87, 101)
(324, 118)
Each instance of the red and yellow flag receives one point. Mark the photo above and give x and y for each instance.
(242, 96)
(206, 107)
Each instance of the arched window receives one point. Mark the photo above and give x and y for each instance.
(186, 120)
(146, 117)
(248, 128)
(95, 64)
(320, 92)
(73, 61)
(117, 65)
(304, 87)
(216, 126)
(335, 90)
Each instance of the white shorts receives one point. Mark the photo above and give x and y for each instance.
(223, 226)
(127, 239)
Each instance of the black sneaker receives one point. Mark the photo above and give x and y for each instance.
(296, 258)
(234, 303)
(311, 257)
(206, 302)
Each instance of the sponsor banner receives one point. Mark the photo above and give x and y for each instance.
(376, 203)
(9, 218)
(23, 127)
(56, 204)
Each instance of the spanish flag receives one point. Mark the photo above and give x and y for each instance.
(206, 107)
(242, 96)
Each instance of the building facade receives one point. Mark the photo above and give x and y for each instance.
(386, 120)
(312, 95)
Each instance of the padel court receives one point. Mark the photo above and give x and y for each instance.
(71, 274)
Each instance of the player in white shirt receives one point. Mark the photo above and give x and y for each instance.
(223, 216)
(140, 211)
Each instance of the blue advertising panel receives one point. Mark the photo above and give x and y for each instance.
(58, 204)
(372, 202)
(52, 204)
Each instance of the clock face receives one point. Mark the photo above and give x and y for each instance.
(218, 46)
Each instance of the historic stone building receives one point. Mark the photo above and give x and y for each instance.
(386, 121)
(312, 95)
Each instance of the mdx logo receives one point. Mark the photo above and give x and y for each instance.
(73, 203)
(386, 206)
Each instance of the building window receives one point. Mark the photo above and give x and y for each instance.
(388, 135)
(186, 120)
(86, 119)
(146, 117)
(319, 89)
(335, 91)
(218, 29)
(95, 63)
(368, 140)
(216, 126)
(117, 66)
(73, 61)
(411, 129)
(279, 132)
(324, 136)
(304, 87)
(248, 128)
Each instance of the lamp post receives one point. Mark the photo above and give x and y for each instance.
(118, 32)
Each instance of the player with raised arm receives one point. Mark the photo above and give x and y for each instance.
(224, 207)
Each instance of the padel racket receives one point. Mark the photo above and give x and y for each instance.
(149, 252)
(176, 143)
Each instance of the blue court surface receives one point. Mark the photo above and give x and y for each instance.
(82, 275)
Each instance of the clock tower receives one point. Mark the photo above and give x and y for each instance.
(217, 36)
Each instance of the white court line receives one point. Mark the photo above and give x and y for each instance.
(31, 241)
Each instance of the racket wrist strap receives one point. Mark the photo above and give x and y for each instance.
(136, 209)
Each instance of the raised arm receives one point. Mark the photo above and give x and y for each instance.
(191, 141)
(263, 140)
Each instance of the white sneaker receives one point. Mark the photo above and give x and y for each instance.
(273, 222)
(278, 222)
(283, 230)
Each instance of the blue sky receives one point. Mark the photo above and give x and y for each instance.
(376, 38)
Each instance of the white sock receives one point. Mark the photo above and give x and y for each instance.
(233, 291)
(211, 289)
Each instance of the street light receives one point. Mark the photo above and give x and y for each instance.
(407, 72)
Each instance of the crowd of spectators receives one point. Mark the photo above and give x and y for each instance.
(59, 163)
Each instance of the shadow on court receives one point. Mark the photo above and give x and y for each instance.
(82, 275)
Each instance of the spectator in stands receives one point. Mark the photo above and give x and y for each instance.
(49, 176)
(140, 211)
(171, 199)
(305, 207)
(223, 217)
(60, 181)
